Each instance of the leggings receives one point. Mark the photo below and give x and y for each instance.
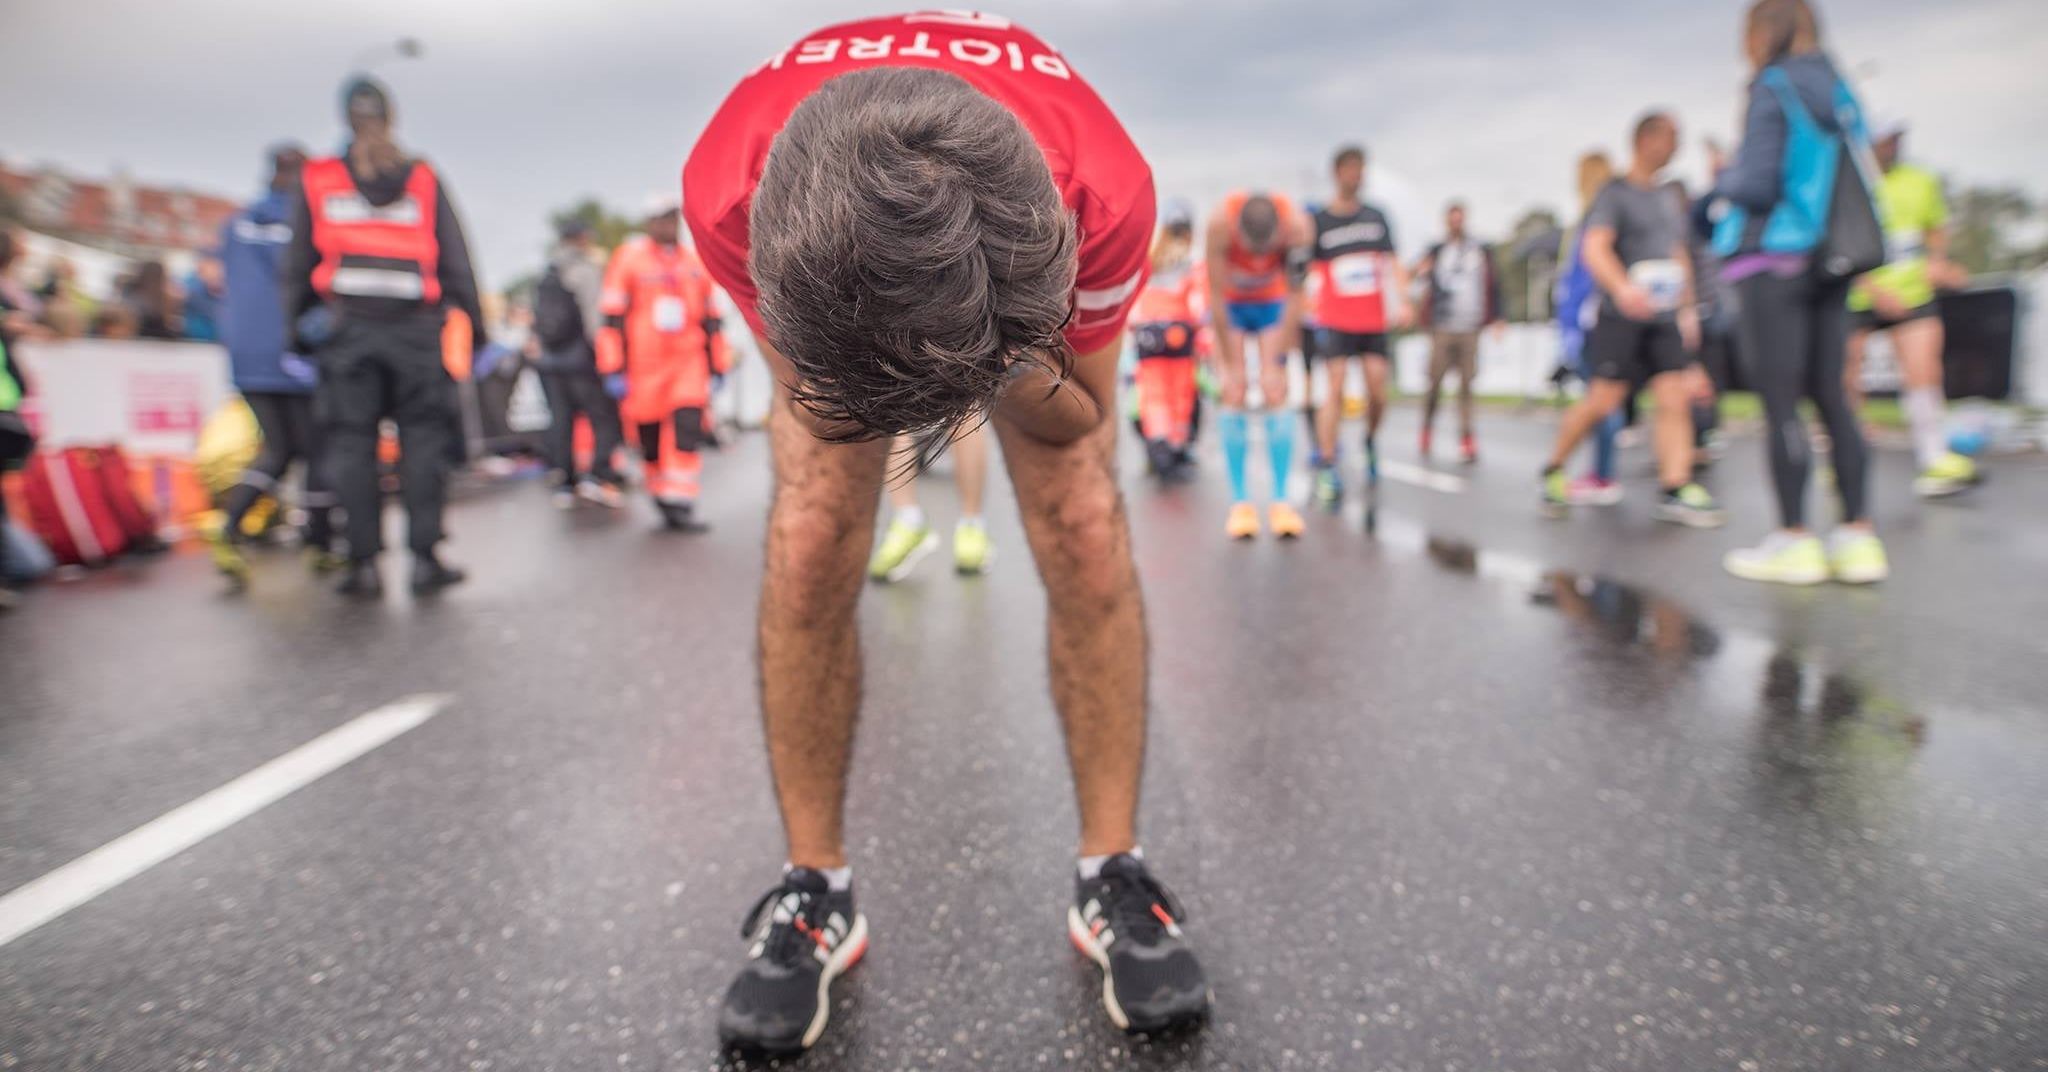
(291, 433)
(1794, 335)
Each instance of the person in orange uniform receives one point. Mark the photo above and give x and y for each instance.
(1167, 329)
(1257, 255)
(659, 349)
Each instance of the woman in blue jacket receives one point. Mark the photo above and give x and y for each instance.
(277, 384)
(1794, 323)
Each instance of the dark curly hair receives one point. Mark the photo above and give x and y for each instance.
(912, 254)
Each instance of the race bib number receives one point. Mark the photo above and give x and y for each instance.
(1662, 280)
(1355, 274)
(668, 315)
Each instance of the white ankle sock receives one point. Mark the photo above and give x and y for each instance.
(971, 522)
(1927, 414)
(1090, 867)
(839, 878)
(911, 515)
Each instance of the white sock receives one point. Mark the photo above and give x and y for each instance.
(839, 879)
(971, 522)
(1927, 414)
(1090, 867)
(912, 515)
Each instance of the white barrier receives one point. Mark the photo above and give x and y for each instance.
(147, 396)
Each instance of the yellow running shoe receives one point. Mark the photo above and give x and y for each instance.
(903, 547)
(1857, 557)
(1947, 475)
(227, 555)
(1243, 523)
(970, 549)
(1285, 520)
(1783, 558)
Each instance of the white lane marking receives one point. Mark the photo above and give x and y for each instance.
(171, 833)
(1423, 478)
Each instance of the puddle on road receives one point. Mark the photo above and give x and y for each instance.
(1789, 683)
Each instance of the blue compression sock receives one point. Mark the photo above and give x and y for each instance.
(1603, 444)
(1236, 440)
(1280, 449)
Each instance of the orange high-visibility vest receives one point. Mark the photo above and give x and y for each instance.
(373, 251)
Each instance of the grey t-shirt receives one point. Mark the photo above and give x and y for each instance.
(1647, 227)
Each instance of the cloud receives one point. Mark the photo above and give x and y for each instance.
(528, 105)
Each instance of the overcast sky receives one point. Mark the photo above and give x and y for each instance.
(527, 106)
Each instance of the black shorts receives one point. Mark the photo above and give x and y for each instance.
(1335, 342)
(1634, 351)
(1869, 320)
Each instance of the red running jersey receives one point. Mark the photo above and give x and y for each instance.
(1100, 174)
(1352, 269)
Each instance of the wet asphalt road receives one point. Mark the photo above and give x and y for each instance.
(1467, 790)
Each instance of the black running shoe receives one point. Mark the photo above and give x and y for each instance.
(1129, 925)
(804, 937)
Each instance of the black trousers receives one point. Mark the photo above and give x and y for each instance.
(291, 433)
(1794, 336)
(581, 391)
(375, 369)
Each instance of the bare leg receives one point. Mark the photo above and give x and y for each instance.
(1330, 415)
(818, 532)
(1074, 517)
(1375, 393)
(1095, 617)
(902, 493)
(1673, 428)
(1919, 344)
(970, 469)
(1602, 398)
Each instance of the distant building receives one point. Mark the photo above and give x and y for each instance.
(118, 215)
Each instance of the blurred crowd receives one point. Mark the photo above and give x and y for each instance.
(149, 301)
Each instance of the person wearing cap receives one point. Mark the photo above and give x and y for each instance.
(375, 240)
(1899, 300)
(569, 317)
(1166, 327)
(277, 383)
(659, 346)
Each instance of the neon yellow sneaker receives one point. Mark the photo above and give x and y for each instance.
(1557, 494)
(1948, 475)
(1783, 558)
(227, 554)
(970, 548)
(1857, 557)
(903, 547)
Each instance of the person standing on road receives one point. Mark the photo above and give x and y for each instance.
(1634, 244)
(878, 202)
(660, 346)
(277, 384)
(1898, 299)
(376, 241)
(1360, 287)
(1463, 296)
(568, 317)
(1577, 298)
(1257, 258)
(1794, 324)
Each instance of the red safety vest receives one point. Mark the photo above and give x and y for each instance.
(373, 251)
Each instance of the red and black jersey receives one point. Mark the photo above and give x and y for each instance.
(1353, 264)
